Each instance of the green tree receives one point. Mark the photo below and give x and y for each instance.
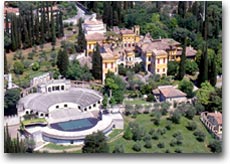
(215, 146)
(114, 86)
(176, 117)
(213, 72)
(187, 87)
(63, 62)
(18, 68)
(204, 92)
(191, 67)
(95, 143)
(137, 146)
(215, 102)
(190, 112)
(35, 66)
(105, 102)
(5, 64)
(172, 68)
(97, 64)
(81, 42)
(119, 149)
(77, 72)
(11, 98)
(53, 32)
(128, 134)
(181, 71)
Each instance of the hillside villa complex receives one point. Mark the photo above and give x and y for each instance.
(128, 47)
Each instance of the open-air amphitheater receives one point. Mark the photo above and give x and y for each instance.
(71, 113)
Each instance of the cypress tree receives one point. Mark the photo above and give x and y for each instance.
(36, 28)
(42, 23)
(97, 64)
(13, 32)
(213, 72)
(49, 32)
(61, 24)
(81, 38)
(62, 62)
(203, 67)
(53, 34)
(7, 23)
(5, 64)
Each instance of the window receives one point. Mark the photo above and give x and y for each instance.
(105, 65)
(149, 58)
(49, 89)
(41, 114)
(79, 107)
(47, 115)
(94, 105)
(89, 46)
(62, 87)
(27, 112)
(111, 65)
(163, 69)
(164, 60)
(90, 107)
(85, 109)
(65, 105)
(57, 106)
(158, 70)
(158, 61)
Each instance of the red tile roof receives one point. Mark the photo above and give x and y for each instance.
(169, 91)
(217, 116)
(95, 36)
(127, 31)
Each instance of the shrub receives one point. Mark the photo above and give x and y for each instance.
(148, 144)
(18, 68)
(31, 55)
(190, 113)
(35, 66)
(137, 147)
(215, 146)
(26, 64)
(150, 98)
(200, 136)
(157, 121)
(155, 136)
(167, 151)
(191, 126)
(147, 137)
(168, 125)
(151, 132)
(173, 142)
(178, 150)
(176, 117)
(161, 145)
(128, 134)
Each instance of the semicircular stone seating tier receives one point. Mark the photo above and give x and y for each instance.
(82, 97)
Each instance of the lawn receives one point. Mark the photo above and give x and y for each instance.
(136, 102)
(32, 121)
(189, 145)
(59, 147)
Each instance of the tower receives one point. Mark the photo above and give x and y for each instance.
(137, 30)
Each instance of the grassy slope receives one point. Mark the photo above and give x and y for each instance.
(190, 144)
